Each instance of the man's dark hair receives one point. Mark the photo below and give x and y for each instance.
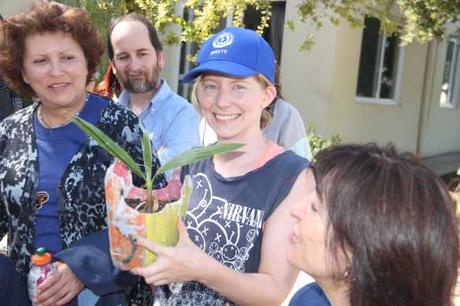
(133, 17)
(396, 220)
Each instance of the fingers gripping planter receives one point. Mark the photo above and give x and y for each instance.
(126, 222)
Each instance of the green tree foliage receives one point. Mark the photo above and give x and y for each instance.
(413, 20)
(318, 142)
(194, 20)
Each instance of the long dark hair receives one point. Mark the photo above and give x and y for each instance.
(396, 218)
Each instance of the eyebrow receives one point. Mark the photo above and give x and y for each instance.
(137, 50)
(209, 77)
(46, 53)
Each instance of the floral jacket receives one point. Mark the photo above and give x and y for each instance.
(81, 197)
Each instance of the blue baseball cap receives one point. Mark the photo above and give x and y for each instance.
(236, 52)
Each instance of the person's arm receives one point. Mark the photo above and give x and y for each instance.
(90, 260)
(3, 220)
(288, 129)
(293, 134)
(86, 264)
(269, 286)
(3, 211)
(13, 291)
(183, 134)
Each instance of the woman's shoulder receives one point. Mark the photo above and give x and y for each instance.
(19, 119)
(198, 166)
(310, 295)
(116, 115)
(288, 160)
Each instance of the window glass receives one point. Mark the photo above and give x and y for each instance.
(450, 77)
(379, 63)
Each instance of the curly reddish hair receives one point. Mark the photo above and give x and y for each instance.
(45, 17)
(109, 86)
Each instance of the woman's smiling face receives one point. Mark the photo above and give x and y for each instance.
(56, 68)
(233, 106)
(310, 251)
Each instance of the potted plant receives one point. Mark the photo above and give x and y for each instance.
(144, 212)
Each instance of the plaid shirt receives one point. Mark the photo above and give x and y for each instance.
(9, 101)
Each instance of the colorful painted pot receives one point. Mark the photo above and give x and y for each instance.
(125, 222)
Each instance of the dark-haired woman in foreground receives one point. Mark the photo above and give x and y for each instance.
(379, 230)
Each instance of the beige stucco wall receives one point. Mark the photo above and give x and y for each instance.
(322, 83)
(307, 75)
(363, 122)
(11, 7)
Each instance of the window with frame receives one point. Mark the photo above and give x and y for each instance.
(451, 75)
(380, 65)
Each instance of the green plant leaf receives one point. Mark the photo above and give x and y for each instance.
(196, 154)
(147, 155)
(109, 145)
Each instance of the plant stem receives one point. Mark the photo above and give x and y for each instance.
(149, 205)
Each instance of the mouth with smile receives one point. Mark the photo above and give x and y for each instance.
(226, 117)
(59, 85)
(136, 75)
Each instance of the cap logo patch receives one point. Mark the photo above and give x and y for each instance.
(223, 40)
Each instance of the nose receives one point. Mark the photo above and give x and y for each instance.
(223, 98)
(56, 68)
(135, 63)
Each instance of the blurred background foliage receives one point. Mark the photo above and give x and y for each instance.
(194, 20)
(319, 142)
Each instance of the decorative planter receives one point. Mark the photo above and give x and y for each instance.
(125, 222)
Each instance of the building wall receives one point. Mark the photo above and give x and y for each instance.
(307, 76)
(8, 7)
(364, 122)
(321, 83)
(439, 127)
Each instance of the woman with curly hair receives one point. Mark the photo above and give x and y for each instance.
(51, 174)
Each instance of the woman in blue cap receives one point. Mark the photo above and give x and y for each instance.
(232, 247)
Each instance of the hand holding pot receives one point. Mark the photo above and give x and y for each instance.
(184, 262)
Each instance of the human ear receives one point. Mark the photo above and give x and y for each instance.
(270, 95)
(114, 69)
(24, 77)
(161, 59)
